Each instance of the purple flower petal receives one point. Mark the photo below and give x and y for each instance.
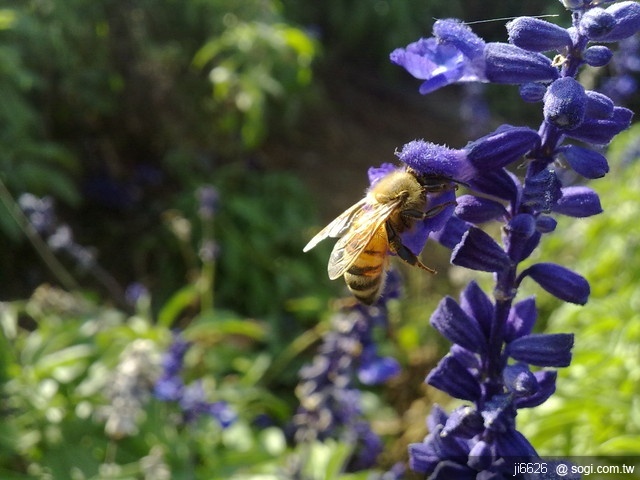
(537, 35)
(518, 243)
(542, 350)
(476, 210)
(519, 380)
(478, 251)
(513, 65)
(502, 147)
(377, 173)
(458, 327)
(598, 105)
(436, 160)
(475, 303)
(453, 378)
(601, 131)
(522, 317)
(565, 103)
(464, 421)
(596, 23)
(627, 21)
(586, 162)
(597, 56)
(546, 387)
(498, 183)
(532, 92)
(560, 281)
(542, 191)
(451, 234)
(578, 202)
(513, 444)
(546, 224)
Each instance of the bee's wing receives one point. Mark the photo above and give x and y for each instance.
(337, 227)
(363, 228)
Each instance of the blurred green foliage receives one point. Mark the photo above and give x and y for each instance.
(596, 408)
(65, 359)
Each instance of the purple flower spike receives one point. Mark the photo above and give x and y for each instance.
(578, 202)
(565, 103)
(560, 281)
(502, 147)
(478, 251)
(543, 350)
(537, 35)
(513, 65)
(584, 161)
(455, 325)
(436, 160)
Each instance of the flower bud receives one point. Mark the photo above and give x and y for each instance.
(560, 282)
(478, 251)
(543, 350)
(532, 92)
(627, 21)
(537, 35)
(437, 160)
(565, 103)
(502, 147)
(597, 56)
(598, 105)
(513, 65)
(579, 202)
(602, 131)
(596, 23)
(519, 379)
(584, 161)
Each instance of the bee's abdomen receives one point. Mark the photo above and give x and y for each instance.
(365, 278)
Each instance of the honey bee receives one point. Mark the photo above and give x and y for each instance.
(370, 230)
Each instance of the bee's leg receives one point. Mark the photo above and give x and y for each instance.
(395, 243)
(432, 212)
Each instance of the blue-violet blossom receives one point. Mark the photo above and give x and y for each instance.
(497, 365)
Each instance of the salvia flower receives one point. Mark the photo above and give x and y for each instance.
(497, 364)
(330, 398)
(191, 398)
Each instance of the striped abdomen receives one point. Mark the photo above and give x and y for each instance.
(365, 277)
